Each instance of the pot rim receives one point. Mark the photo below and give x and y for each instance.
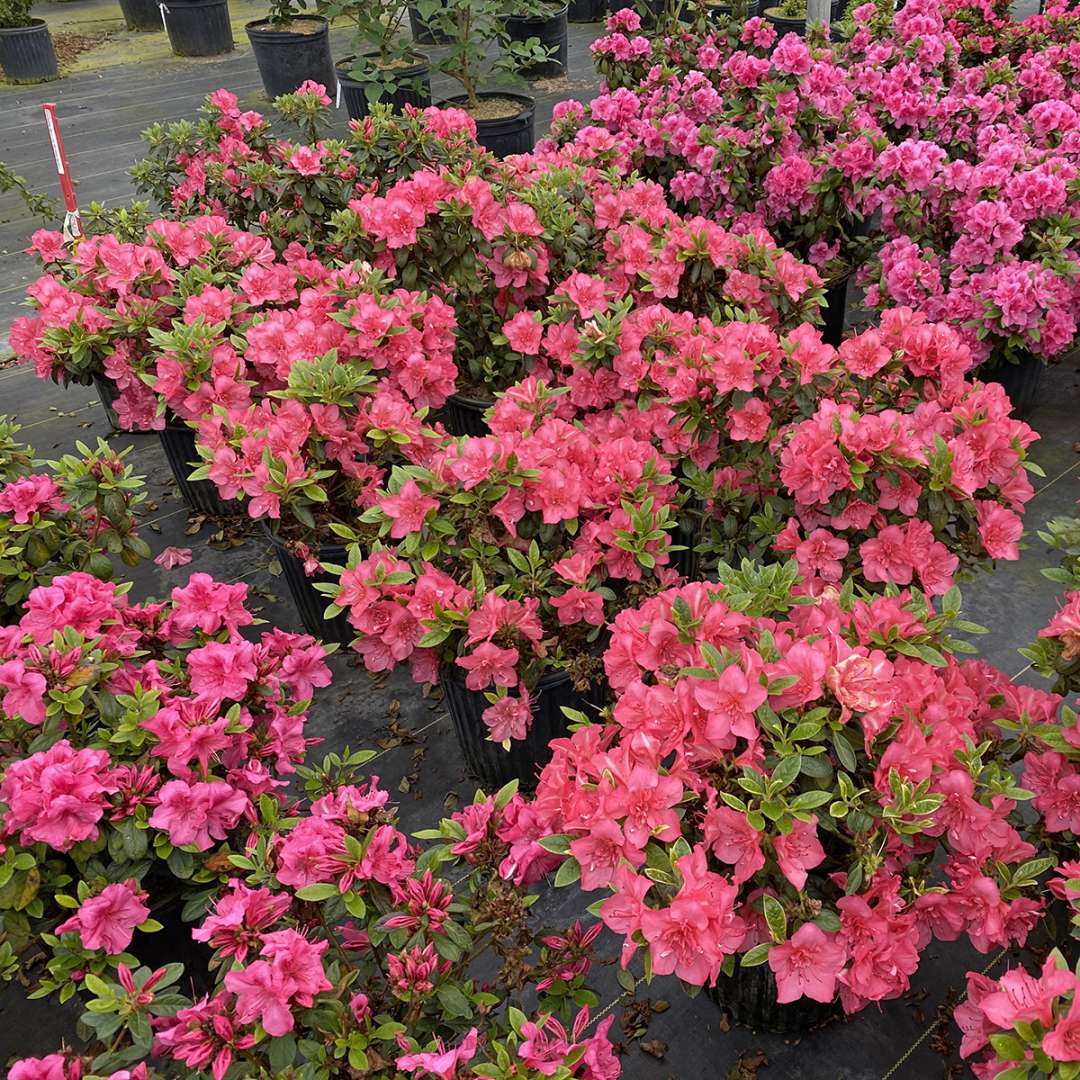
(528, 101)
(258, 26)
(422, 60)
(563, 9)
(272, 535)
(36, 24)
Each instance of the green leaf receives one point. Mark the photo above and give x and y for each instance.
(756, 956)
(568, 873)
(318, 891)
(776, 917)
(454, 1002)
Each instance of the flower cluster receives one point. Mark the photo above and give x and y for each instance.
(75, 517)
(819, 788)
(331, 938)
(135, 733)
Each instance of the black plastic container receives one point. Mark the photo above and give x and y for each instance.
(423, 33)
(687, 533)
(311, 604)
(288, 58)
(552, 32)
(507, 135)
(1020, 380)
(141, 14)
(832, 332)
(465, 416)
(586, 11)
(783, 24)
(199, 27)
(653, 7)
(178, 442)
(107, 395)
(27, 53)
(488, 762)
(173, 944)
(414, 87)
(749, 995)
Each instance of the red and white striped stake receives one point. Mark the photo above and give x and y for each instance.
(72, 223)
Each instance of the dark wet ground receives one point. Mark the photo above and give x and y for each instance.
(418, 757)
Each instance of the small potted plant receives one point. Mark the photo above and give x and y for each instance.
(789, 17)
(506, 557)
(26, 48)
(291, 48)
(384, 68)
(505, 121)
(198, 27)
(551, 30)
(787, 824)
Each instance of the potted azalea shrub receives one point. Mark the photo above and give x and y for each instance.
(74, 518)
(291, 47)
(309, 457)
(384, 69)
(504, 119)
(138, 740)
(498, 566)
(763, 810)
(342, 949)
(198, 27)
(26, 47)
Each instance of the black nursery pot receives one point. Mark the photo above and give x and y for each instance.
(487, 761)
(27, 53)
(178, 442)
(832, 331)
(198, 27)
(586, 11)
(107, 395)
(141, 14)
(287, 58)
(552, 32)
(173, 944)
(311, 604)
(508, 134)
(465, 416)
(784, 24)
(749, 995)
(425, 34)
(414, 87)
(654, 7)
(1020, 381)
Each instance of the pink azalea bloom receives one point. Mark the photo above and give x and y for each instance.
(441, 1062)
(807, 964)
(24, 696)
(799, 851)
(172, 557)
(1062, 1042)
(108, 921)
(407, 509)
(488, 664)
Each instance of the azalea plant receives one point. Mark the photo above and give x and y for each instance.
(339, 948)
(77, 516)
(819, 787)
(138, 738)
(504, 557)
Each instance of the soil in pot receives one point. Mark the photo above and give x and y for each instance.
(310, 603)
(488, 762)
(749, 995)
(785, 24)
(505, 122)
(413, 77)
(291, 53)
(27, 54)
(198, 27)
(552, 33)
